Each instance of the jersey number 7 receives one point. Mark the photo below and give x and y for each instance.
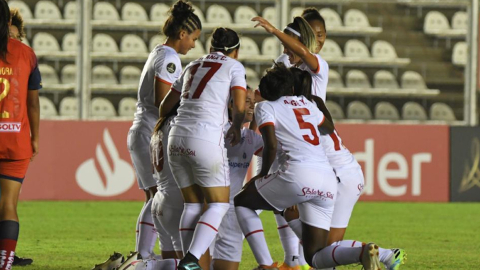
(213, 68)
(299, 113)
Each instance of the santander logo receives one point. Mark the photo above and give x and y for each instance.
(106, 174)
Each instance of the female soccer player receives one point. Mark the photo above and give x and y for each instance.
(304, 178)
(19, 129)
(162, 68)
(196, 148)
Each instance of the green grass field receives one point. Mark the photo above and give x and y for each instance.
(76, 235)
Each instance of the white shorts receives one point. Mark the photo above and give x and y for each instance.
(166, 212)
(194, 161)
(312, 189)
(229, 241)
(139, 148)
(348, 192)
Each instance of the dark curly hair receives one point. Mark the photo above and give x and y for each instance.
(4, 31)
(17, 21)
(278, 82)
(302, 83)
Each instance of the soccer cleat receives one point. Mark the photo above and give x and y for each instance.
(285, 266)
(369, 257)
(266, 267)
(17, 261)
(132, 259)
(398, 257)
(115, 260)
(189, 262)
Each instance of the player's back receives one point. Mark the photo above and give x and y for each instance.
(205, 87)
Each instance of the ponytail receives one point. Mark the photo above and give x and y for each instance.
(304, 32)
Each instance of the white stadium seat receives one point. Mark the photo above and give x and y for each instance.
(441, 111)
(295, 12)
(156, 40)
(199, 13)
(130, 75)
(132, 43)
(22, 7)
(47, 108)
(385, 79)
(45, 42)
(271, 47)
(105, 11)
(102, 107)
(334, 79)
(357, 79)
(69, 107)
(460, 20)
(127, 107)
(413, 111)
(218, 14)
(134, 12)
(434, 22)
(248, 47)
(413, 80)
(102, 74)
(383, 50)
(47, 10)
(159, 12)
(358, 110)
(104, 43)
(335, 110)
(198, 50)
(70, 11)
(252, 78)
(331, 17)
(244, 14)
(70, 42)
(271, 15)
(25, 41)
(69, 74)
(331, 49)
(355, 18)
(357, 49)
(460, 53)
(49, 75)
(386, 111)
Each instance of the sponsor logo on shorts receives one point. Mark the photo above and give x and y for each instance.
(360, 189)
(180, 151)
(243, 165)
(10, 127)
(6, 260)
(311, 192)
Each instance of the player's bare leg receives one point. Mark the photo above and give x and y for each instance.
(225, 265)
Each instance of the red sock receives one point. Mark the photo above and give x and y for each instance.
(8, 241)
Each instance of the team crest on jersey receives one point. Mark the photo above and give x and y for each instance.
(171, 67)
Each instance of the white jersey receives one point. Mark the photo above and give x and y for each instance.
(296, 122)
(205, 87)
(240, 156)
(163, 64)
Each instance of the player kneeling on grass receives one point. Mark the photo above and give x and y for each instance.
(304, 178)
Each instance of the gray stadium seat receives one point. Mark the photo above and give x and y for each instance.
(334, 79)
(127, 107)
(105, 11)
(218, 14)
(386, 111)
(435, 22)
(331, 49)
(102, 74)
(134, 12)
(156, 40)
(271, 15)
(199, 13)
(413, 111)
(357, 79)
(383, 50)
(413, 80)
(159, 12)
(335, 110)
(244, 14)
(441, 111)
(198, 50)
(248, 47)
(104, 43)
(22, 7)
(69, 107)
(331, 17)
(132, 44)
(460, 53)
(358, 110)
(385, 79)
(130, 75)
(45, 42)
(69, 74)
(49, 75)
(47, 108)
(295, 12)
(252, 78)
(47, 10)
(355, 18)
(357, 49)
(270, 47)
(460, 20)
(102, 107)
(70, 11)
(70, 42)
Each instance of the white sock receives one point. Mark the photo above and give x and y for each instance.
(289, 241)
(384, 254)
(301, 255)
(190, 216)
(336, 255)
(137, 228)
(207, 228)
(252, 228)
(167, 264)
(296, 226)
(147, 235)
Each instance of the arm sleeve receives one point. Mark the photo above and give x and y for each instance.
(238, 77)
(178, 83)
(35, 79)
(264, 114)
(167, 68)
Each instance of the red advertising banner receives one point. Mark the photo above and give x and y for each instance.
(89, 160)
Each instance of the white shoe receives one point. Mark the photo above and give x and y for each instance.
(132, 259)
(115, 260)
(369, 258)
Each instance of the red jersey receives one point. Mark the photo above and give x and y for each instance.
(17, 76)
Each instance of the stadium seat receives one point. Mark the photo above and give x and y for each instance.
(47, 10)
(199, 13)
(70, 42)
(335, 110)
(132, 44)
(441, 111)
(70, 11)
(271, 15)
(383, 50)
(460, 52)
(45, 42)
(130, 75)
(357, 49)
(334, 79)
(295, 12)
(357, 79)
(134, 12)
(413, 80)
(331, 49)
(413, 111)
(22, 7)
(460, 20)
(358, 110)
(218, 14)
(49, 75)
(331, 17)
(435, 22)
(271, 47)
(248, 47)
(252, 78)
(198, 50)
(159, 12)
(156, 40)
(69, 74)
(244, 14)
(104, 43)
(102, 107)
(69, 107)
(47, 108)
(105, 11)
(102, 74)
(25, 41)
(386, 111)
(127, 107)
(355, 18)
(385, 79)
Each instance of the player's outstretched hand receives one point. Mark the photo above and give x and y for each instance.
(234, 135)
(264, 23)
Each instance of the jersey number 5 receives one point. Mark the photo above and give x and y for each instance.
(213, 68)
(299, 113)
(3, 94)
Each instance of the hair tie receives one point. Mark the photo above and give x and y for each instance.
(227, 48)
(295, 32)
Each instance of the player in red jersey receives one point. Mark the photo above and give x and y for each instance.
(19, 129)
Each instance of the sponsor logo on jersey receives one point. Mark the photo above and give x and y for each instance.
(106, 174)
(171, 67)
(243, 165)
(10, 127)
